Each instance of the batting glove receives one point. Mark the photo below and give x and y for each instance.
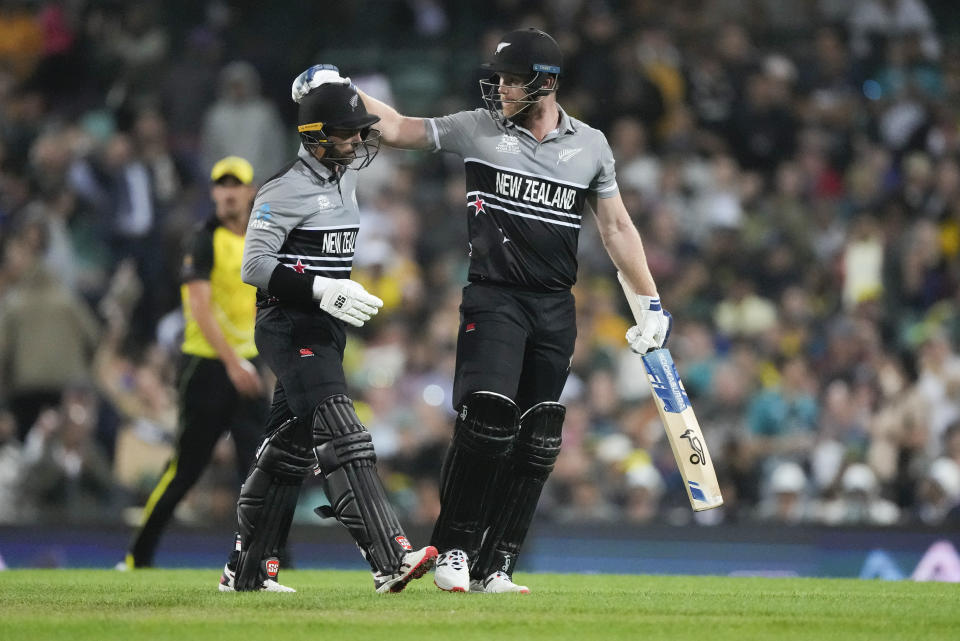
(652, 328)
(314, 77)
(345, 299)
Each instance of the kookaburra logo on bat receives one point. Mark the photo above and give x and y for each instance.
(697, 458)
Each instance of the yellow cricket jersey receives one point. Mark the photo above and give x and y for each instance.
(215, 253)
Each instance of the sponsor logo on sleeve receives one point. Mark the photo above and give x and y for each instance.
(261, 217)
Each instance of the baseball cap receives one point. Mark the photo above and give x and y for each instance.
(234, 166)
(524, 51)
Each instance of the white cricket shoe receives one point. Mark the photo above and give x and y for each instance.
(414, 565)
(227, 578)
(497, 583)
(453, 571)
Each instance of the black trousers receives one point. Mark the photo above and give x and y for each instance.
(304, 348)
(209, 406)
(515, 343)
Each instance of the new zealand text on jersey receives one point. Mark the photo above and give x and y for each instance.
(536, 191)
(339, 242)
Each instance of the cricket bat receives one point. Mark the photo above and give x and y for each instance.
(679, 422)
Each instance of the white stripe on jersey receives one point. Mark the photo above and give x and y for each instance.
(436, 134)
(546, 220)
(347, 258)
(525, 173)
(325, 228)
(514, 202)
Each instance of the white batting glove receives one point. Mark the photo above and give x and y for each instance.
(345, 299)
(314, 77)
(652, 328)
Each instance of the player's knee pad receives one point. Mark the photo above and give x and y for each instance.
(539, 440)
(482, 441)
(347, 461)
(268, 499)
(521, 483)
(487, 424)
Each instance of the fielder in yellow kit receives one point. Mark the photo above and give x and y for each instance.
(219, 387)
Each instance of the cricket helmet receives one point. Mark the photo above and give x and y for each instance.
(336, 109)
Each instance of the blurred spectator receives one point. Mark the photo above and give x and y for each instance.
(874, 22)
(939, 491)
(786, 500)
(11, 470)
(67, 476)
(47, 335)
(859, 502)
(243, 123)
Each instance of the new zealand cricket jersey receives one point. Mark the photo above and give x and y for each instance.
(304, 219)
(526, 198)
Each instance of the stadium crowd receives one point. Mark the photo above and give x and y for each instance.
(793, 166)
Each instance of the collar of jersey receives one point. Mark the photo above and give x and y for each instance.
(318, 167)
(565, 127)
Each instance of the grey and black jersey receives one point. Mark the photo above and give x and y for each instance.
(526, 198)
(305, 219)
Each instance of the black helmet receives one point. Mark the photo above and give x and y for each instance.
(529, 53)
(338, 107)
(526, 51)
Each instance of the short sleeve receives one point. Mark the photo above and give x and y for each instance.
(455, 133)
(197, 261)
(604, 184)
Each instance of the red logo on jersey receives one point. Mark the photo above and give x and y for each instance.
(404, 543)
(304, 352)
(470, 327)
(273, 567)
(298, 267)
(478, 203)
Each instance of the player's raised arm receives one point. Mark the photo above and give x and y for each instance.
(396, 130)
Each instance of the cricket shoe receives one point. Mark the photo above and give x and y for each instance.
(453, 571)
(414, 565)
(497, 583)
(269, 585)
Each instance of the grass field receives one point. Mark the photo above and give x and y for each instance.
(184, 605)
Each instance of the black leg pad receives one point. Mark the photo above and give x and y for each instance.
(521, 483)
(347, 461)
(482, 441)
(268, 499)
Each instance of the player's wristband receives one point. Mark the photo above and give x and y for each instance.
(289, 286)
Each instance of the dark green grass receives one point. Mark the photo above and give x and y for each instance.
(183, 605)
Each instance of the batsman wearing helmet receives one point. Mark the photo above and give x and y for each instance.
(532, 171)
(298, 253)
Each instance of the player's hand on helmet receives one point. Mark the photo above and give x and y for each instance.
(314, 77)
(346, 300)
(652, 328)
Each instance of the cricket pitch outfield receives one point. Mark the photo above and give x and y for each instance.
(76, 605)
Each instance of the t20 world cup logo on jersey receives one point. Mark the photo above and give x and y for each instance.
(508, 144)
